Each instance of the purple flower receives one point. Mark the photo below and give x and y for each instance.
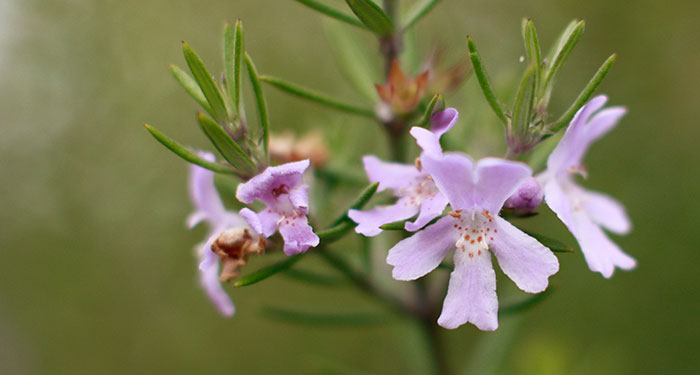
(286, 204)
(476, 194)
(583, 211)
(209, 208)
(415, 189)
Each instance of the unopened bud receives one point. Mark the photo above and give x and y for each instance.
(526, 198)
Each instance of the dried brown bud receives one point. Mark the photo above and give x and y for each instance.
(287, 148)
(401, 92)
(233, 247)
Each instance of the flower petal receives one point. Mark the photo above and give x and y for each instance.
(368, 222)
(430, 208)
(452, 173)
(297, 234)
(421, 253)
(527, 262)
(602, 255)
(300, 198)
(209, 279)
(203, 193)
(261, 186)
(389, 175)
(443, 121)
(496, 180)
(607, 212)
(426, 140)
(471, 295)
(264, 222)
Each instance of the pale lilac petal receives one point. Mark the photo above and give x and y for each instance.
(527, 262)
(573, 145)
(452, 174)
(421, 253)
(602, 255)
(195, 218)
(496, 180)
(368, 222)
(203, 193)
(393, 176)
(471, 295)
(558, 202)
(297, 234)
(607, 212)
(430, 208)
(426, 140)
(603, 122)
(209, 279)
(207, 257)
(264, 222)
(300, 198)
(443, 121)
(262, 186)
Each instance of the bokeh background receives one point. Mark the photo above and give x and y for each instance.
(97, 273)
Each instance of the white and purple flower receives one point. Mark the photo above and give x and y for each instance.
(583, 211)
(286, 202)
(415, 190)
(476, 193)
(210, 209)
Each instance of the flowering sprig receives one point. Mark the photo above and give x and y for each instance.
(481, 196)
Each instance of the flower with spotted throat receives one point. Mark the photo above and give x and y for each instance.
(583, 211)
(286, 202)
(476, 193)
(413, 186)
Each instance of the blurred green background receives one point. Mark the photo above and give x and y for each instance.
(96, 270)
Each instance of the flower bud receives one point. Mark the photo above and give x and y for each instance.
(526, 198)
(233, 247)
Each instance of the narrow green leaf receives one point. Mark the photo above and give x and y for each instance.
(316, 97)
(238, 50)
(223, 142)
(325, 319)
(484, 83)
(585, 94)
(372, 16)
(532, 48)
(400, 225)
(186, 153)
(352, 60)
(553, 244)
(561, 40)
(206, 83)
(417, 11)
(260, 100)
(190, 86)
(332, 12)
(562, 53)
(312, 277)
(526, 304)
(268, 271)
(524, 101)
(359, 202)
(335, 232)
(229, 37)
(429, 109)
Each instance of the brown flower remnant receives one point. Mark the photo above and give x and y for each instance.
(233, 247)
(401, 92)
(442, 80)
(287, 148)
